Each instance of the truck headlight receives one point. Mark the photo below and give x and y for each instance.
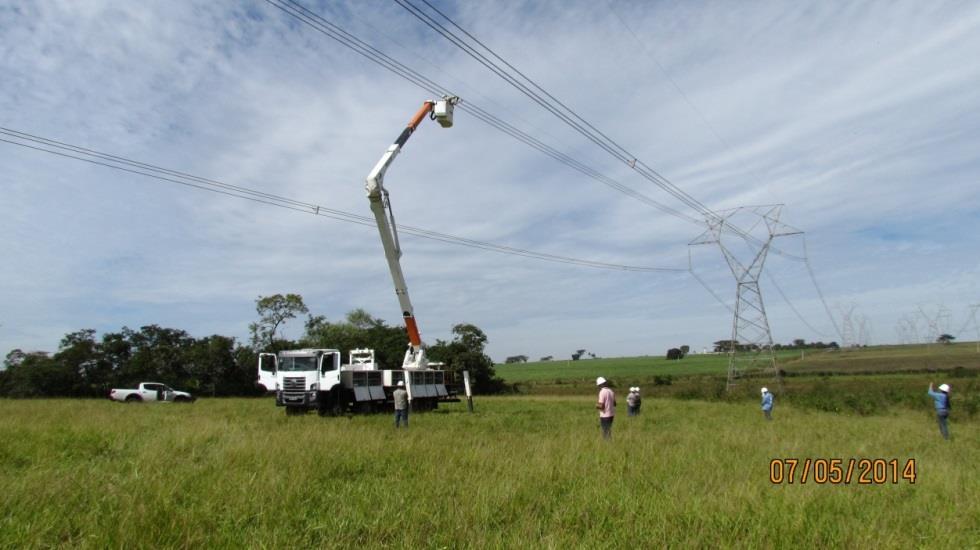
(314, 386)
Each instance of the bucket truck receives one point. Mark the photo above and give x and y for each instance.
(314, 379)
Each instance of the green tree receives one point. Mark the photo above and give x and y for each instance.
(240, 379)
(158, 355)
(37, 375)
(465, 352)
(722, 346)
(273, 312)
(362, 319)
(82, 355)
(359, 330)
(209, 360)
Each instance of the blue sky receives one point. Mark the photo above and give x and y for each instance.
(863, 119)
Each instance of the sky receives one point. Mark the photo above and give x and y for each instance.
(861, 118)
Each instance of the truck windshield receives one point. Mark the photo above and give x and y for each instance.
(295, 364)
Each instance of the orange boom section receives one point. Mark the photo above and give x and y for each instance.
(413, 331)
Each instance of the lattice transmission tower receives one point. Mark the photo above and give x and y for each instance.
(972, 318)
(938, 324)
(907, 329)
(847, 326)
(745, 252)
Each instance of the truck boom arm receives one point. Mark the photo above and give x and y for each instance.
(385, 219)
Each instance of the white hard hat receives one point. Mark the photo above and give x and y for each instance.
(401, 382)
(637, 389)
(944, 387)
(600, 381)
(764, 390)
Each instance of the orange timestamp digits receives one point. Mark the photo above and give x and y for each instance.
(839, 471)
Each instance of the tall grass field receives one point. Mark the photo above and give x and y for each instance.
(525, 471)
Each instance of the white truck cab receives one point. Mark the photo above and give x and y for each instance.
(302, 379)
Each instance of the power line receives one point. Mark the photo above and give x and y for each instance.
(325, 27)
(567, 115)
(124, 164)
(679, 91)
(813, 278)
(549, 102)
(792, 307)
(690, 268)
(318, 23)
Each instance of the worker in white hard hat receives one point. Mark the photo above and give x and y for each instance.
(633, 401)
(400, 397)
(941, 400)
(606, 406)
(767, 403)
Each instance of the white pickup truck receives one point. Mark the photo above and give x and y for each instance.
(150, 392)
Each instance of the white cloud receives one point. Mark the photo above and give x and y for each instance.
(862, 118)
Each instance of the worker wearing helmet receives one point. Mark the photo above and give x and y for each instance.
(633, 401)
(400, 397)
(941, 400)
(606, 406)
(767, 403)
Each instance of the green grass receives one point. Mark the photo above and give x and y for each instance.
(522, 471)
(624, 367)
(887, 359)
(878, 359)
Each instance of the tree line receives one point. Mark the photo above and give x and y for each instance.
(86, 365)
(725, 346)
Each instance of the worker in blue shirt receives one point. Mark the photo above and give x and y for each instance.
(941, 399)
(767, 403)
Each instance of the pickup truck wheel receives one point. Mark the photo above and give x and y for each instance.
(133, 399)
(181, 400)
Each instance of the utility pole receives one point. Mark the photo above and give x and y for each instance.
(751, 345)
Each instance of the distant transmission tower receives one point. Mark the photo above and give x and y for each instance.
(906, 330)
(938, 325)
(751, 345)
(864, 330)
(847, 325)
(972, 318)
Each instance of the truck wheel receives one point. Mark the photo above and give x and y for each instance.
(181, 400)
(133, 399)
(330, 404)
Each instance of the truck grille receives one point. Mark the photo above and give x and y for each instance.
(294, 387)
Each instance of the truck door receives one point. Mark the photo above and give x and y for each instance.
(268, 367)
(151, 392)
(329, 371)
